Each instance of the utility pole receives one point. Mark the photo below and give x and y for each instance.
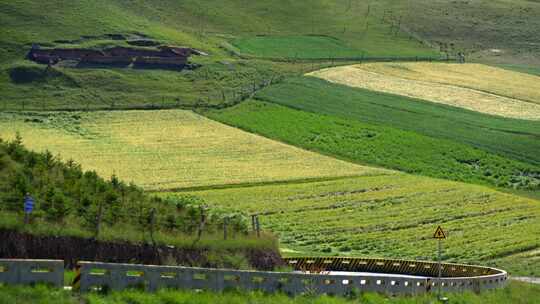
(439, 236)
(439, 258)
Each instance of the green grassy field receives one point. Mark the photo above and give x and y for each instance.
(300, 47)
(395, 216)
(380, 145)
(515, 293)
(513, 138)
(533, 70)
(164, 150)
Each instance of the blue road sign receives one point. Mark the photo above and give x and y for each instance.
(28, 204)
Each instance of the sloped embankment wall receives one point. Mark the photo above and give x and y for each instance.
(72, 249)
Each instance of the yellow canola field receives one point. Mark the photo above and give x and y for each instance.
(475, 87)
(171, 149)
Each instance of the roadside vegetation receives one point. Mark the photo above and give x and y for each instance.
(378, 145)
(474, 87)
(73, 202)
(164, 150)
(395, 216)
(516, 293)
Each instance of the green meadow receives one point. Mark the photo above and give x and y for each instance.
(512, 138)
(376, 144)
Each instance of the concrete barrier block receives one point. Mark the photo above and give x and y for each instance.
(25, 272)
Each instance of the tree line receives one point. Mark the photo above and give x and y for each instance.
(63, 192)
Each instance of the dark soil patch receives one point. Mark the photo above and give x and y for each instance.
(73, 249)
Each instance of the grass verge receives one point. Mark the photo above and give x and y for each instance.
(516, 293)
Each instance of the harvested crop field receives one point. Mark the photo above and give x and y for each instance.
(170, 149)
(475, 87)
(395, 216)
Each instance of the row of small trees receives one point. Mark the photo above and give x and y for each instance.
(64, 193)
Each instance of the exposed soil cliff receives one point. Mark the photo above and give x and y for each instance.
(14, 244)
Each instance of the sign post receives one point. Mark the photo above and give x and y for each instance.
(28, 207)
(440, 236)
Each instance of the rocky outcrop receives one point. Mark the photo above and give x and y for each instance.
(170, 56)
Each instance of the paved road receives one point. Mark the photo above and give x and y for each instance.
(532, 280)
(370, 274)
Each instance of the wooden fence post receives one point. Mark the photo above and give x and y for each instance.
(98, 219)
(258, 226)
(225, 219)
(201, 224)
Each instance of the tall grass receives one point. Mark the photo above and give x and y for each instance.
(515, 293)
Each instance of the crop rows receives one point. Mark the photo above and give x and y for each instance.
(170, 149)
(394, 216)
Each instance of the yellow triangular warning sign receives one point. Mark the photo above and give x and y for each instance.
(439, 233)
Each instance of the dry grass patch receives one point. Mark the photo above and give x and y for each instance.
(170, 149)
(471, 86)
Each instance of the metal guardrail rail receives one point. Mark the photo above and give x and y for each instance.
(387, 276)
(458, 277)
(390, 266)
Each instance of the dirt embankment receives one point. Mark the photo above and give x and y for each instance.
(72, 249)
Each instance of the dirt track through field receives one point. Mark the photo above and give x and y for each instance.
(449, 89)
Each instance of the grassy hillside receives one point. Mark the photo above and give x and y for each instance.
(379, 145)
(170, 149)
(489, 30)
(29, 86)
(204, 24)
(474, 87)
(281, 29)
(395, 216)
(213, 26)
(515, 293)
(512, 138)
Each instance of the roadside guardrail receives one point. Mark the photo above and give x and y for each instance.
(27, 272)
